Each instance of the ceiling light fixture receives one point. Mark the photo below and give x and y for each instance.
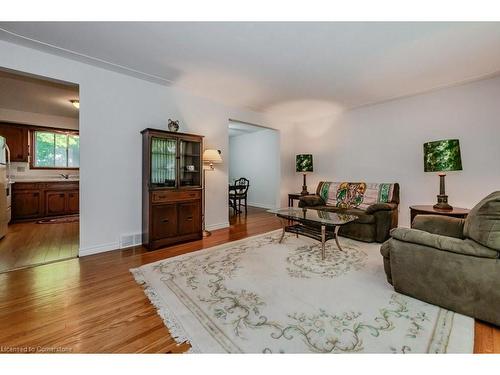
(76, 103)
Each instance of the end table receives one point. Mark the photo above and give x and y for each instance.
(430, 210)
(292, 197)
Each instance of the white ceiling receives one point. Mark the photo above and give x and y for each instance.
(297, 70)
(240, 128)
(32, 94)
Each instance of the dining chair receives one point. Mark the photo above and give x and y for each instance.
(239, 193)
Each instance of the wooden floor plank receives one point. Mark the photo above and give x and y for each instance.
(29, 243)
(92, 304)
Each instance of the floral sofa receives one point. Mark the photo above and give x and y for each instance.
(375, 204)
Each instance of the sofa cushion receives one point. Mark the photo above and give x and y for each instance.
(439, 224)
(455, 245)
(355, 194)
(483, 222)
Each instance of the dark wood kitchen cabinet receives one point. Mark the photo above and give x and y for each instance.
(172, 188)
(26, 204)
(17, 140)
(73, 202)
(35, 200)
(55, 203)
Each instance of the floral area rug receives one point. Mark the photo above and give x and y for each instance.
(259, 296)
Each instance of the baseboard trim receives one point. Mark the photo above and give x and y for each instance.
(260, 205)
(116, 245)
(99, 249)
(218, 226)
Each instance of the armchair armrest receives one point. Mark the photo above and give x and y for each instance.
(443, 225)
(311, 201)
(381, 207)
(451, 244)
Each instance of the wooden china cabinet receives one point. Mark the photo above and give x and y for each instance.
(171, 188)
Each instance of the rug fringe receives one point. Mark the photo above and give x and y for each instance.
(171, 322)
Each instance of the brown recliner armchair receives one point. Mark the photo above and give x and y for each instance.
(450, 262)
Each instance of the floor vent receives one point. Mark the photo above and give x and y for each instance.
(128, 240)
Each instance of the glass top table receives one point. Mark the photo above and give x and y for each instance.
(320, 225)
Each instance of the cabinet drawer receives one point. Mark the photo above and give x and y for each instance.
(26, 186)
(61, 185)
(173, 196)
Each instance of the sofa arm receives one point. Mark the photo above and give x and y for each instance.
(442, 225)
(381, 207)
(451, 244)
(311, 201)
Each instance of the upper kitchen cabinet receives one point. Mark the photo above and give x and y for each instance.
(17, 140)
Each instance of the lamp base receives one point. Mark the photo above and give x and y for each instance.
(442, 203)
(304, 187)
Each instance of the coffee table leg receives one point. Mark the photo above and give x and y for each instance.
(337, 237)
(283, 223)
(323, 240)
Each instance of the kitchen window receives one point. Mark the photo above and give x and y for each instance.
(58, 150)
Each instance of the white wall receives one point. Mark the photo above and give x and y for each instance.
(384, 143)
(113, 109)
(256, 156)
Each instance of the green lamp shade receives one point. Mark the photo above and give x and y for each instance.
(304, 163)
(441, 156)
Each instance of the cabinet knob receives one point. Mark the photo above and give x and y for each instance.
(164, 221)
(190, 218)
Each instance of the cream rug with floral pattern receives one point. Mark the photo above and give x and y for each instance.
(259, 296)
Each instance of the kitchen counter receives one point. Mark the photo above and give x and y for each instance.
(44, 179)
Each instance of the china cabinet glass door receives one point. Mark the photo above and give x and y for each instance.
(163, 162)
(190, 163)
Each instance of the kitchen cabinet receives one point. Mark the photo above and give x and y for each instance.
(73, 202)
(172, 188)
(35, 200)
(17, 140)
(26, 204)
(55, 203)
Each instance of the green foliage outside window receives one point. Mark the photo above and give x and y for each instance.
(56, 150)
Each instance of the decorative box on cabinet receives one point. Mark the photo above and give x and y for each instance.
(171, 188)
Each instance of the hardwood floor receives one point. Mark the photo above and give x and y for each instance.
(92, 304)
(28, 244)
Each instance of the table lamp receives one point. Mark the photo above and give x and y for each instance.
(442, 156)
(210, 157)
(304, 164)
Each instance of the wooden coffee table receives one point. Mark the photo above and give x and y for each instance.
(316, 224)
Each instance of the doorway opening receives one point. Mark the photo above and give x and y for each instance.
(39, 170)
(254, 160)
